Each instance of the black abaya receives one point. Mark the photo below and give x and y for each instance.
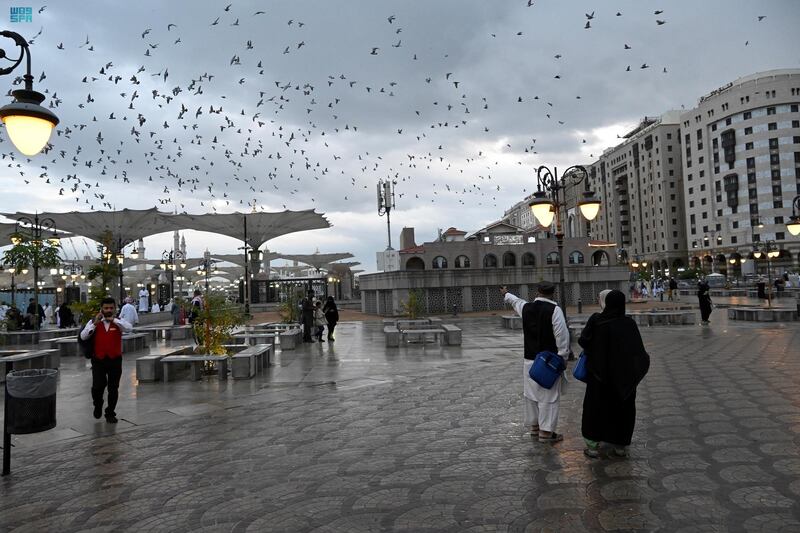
(616, 362)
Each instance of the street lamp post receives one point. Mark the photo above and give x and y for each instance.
(13, 273)
(734, 261)
(794, 221)
(207, 266)
(32, 230)
(546, 208)
(771, 251)
(29, 125)
(170, 260)
(116, 252)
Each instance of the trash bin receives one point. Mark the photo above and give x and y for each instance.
(31, 400)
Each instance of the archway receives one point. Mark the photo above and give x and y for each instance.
(415, 263)
(600, 258)
(552, 258)
(509, 259)
(528, 260)
(439, 262)
(490, 261)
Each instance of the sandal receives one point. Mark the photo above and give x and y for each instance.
(621, 452)
(553, 437)
(535, 431)
(592, 453)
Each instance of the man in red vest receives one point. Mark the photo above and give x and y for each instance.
(107, 358)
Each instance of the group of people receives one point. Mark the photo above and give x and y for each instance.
(615, 360)
(656, 288)
(315, 317)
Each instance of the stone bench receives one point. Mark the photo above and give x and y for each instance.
(290, 338)
(49, 334)
(25, 360)
(278, 326)
(511, 321)
(392, 336)
(131, 342)
(664, 318)
(762, 314)
(253, 339)
(452, 335)
(18, 338)
(421, 334)
(148, 367)
(248, 362)
(195, 364)
(174, 333)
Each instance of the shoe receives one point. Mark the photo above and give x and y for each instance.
(321, 339)
(331, 339)
(552, 437)
(534, 431)
(592, 453)
(621, 452)
(98, 412)
(111, 419)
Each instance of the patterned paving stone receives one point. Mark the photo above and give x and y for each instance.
(431, 444)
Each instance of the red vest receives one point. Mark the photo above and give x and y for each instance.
(107, 343)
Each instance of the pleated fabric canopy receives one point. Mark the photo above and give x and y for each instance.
(318, 261)
(260, 227)
(238, 259)
(126, 225)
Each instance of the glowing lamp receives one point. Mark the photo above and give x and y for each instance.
(589, 205)
(542, 208)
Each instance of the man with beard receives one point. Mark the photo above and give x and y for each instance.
(107, 358)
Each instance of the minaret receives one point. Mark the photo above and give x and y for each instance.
(183, 246)
(265, 262)
(176, 240)
(142, 266)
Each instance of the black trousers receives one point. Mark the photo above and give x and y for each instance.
(331, 327)
(106, 373)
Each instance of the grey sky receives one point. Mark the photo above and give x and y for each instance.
(350, 117)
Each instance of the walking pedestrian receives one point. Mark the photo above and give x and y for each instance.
(65, 317)
(106, 334)
(704, 298)
(673, 290)
(544, 329)
(319, 321)
(331, 315)
(616, 362)
(143, 298)
(48, 313)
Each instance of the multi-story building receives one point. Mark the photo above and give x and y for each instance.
(640, 186)
(741, 167)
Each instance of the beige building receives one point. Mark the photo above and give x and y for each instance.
(741, 163)
(640, 185)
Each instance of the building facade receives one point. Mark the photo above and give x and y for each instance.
(640, 185)
(741, 166)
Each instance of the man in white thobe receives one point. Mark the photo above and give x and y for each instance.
(128, 312)
(544, 329)
(143, 297)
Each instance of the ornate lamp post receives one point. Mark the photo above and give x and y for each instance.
(170, 261)
(734, 261)
(34, 231)
(794, 221)
(208, 266)
(115, 253)
(13, 273)
(545, 208)
(771, 251)
(29, 125)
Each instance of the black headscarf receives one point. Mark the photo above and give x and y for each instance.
(615, 354)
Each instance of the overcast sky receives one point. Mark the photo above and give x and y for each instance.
(314, 101)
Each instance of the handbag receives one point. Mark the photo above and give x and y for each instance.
(547, 368)
(580, 372)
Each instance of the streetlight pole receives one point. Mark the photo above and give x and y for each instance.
(771, 250)
(545, 209)
(28, 229)
(205, 269)
(169, 263)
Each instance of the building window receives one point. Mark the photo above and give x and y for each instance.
(770, 111)
(490, 261)
(747, 115)
(793, 108)
(772, 126)
(748, 131)
(552, 258)
(509, 259)
(576, 258)
(728, 121)
(779, 236)
(462, 261)
(748, 146)
(528, 260)
(751, 162)
(439, 262)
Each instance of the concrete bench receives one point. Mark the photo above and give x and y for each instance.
(18, 338)
(174, 333)
(762, 314)
(421, 334)
(25, 360)
(67, 347)
(245, 364)
(135, 342)
(49, 334)
(392, 336)
(290, 338)
(155, 333)
(664, 318)
(148, 367)
(195, 363)
(452, 335)
(253, 339)
(279, 326)
(412, 323)
(511, 321)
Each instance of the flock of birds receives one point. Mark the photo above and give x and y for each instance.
(189, 140)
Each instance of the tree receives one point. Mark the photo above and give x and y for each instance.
(26, 254)
(213, 326)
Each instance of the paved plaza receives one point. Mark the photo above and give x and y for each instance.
(352, 436)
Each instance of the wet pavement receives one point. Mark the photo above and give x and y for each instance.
(353, 436)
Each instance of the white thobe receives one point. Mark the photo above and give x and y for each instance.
(129, 314)
(531, 389)
(143, 300)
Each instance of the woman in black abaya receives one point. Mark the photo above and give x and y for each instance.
(616, 362)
